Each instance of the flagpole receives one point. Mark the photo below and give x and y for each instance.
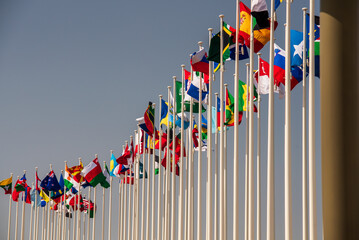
(225, 173)
(221, 139)
(311, 140)
(78, 210)
(153, 175)
(119, 210)
(209, 222)
(166, 235)
(199, 175)
(103, 212)
(109, 207)
(48, 214)
(181, 172)
(133, 196)
(125, 207)
(270, 148)
(190, 172)
(173, 188)
(74, 220)
(137, 157)
(287, 136)
(143, 192)
(304, 134)
(31, 216)
(36, 210)
(159, 196)
(251, 152)
(148, 195)
(215, 223)
(95, 208)
(63, 208)
(129, 216)
(235, 153)
(43, 223)
(88, 212)
(185, 235)
(9, 219)
(23, 214)
(259, 159)
(246, 162)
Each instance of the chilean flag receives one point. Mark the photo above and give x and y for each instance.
(199, 62)
(279, 69)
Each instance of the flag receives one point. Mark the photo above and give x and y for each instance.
(113, 165)
(296, 48)
(261, 29)
(123, 159)
(279, 68)
(62, 182)
(178, 96)
(76, 177)
(141, 123)
(93, 173)
(229, 121)
(199, 62)
(204, 127)
(163, 142)
(194, 88)
(89, 207)
(149, 118)
(260, 13)
(195, 138)
(37, 180)
(277, 3)
(185, 121)
(164, 112)
(316, 42)
(164, 163)
(6, 184)
(52, 184)
(44, 195)
(34, 194)
(67, 180)
(106, 182)
(27, 194)
(141, 170)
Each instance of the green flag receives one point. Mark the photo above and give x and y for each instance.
(187, 105)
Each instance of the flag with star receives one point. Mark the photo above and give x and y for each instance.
(6, 184)
(296, 47)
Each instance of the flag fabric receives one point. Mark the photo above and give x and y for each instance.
(194, 88)
(199, 62)
(277, 3)
(164, 162)
(93, 173)
(149, 118)
(37, 180)
(195, 138)
(163, 142)
(141, 123)
(89, 207)
(113, 165)
(279, 68)
(229, 113)
(35, 197)
(316, 42)
(6, 184)
(139, 142)
(296, 48)
(142, 171)
(52, 184)
(261, 29)
(75, 175)
(15, 192)
(185, 120)
(27, 194)
(260, 12)
(106, 182)
(123, 159)
(178, 96)
(164, 112)
(204, 127)
(44, 195)
(67, 180)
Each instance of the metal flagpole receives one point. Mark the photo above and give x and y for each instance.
(209, 205)
(84, 227)
(74, 221)
(31, 216)
(9, 219)
(143, 192)
(63, 209)
(250, 143)
(185, 235)
(103, 212)
(246, 162)
(221, 139)
(215, 223)
(119, 211)
(125, 208)
(23, 214)
(259, 159)
(181, 170)
(166, 228)
(78, 210)
(159, 186)
(148, 195)
(173, 188)
(95, 208)
(235, 153)
(109, 208)
(287, 134)
(225, 173)
(48, 214)
(190, 173)
(43, 223)
(129, 216)
(311, 140)
(88, 213)
(270, 148)
(153, 176)
(133, 197)
(137, 180)
(36, 230)
(199, 165)
(304, 134)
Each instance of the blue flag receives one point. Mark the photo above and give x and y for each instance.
(296, 48)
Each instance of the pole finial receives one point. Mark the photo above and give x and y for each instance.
(210, 29)
(182, 65)
(226, 84)
(304, 9)
(111, 151)
(200, 43)
(160, 96)
(221, 16)
(259, 54)
(169, 87)
(216, 93)
(174, 77)
(96, 155)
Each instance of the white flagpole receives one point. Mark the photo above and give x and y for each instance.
(166, 235)
(9, 219)
(199, 174)
(181, 170)
(251, 152)
(63, 208)
(84, 227)
(88, 217)
(137, 182)
(48, 214)
(225, 173)
(259, 160)
(270, 148)
(311, 140)
(173, 188)
(129, 216)
(110, 207)
(153, 176)
(78, 211)
(95, 208)
(74, 217)
(159, 196)
(23, 214)
(36, 230)
(148, 195)
(190, 173)
(185, 235)
(215, 223)
(103, 212)
(43, 223)
(221, 139)
(125, 222)
(123, 209)
(53, 224)
(69, 227)
(287, 133)
(31, 215)
(235, 142)
(143, 191)
(246, 162)
(209, 219)
(119, 211)
(133, 198)
(304, 135)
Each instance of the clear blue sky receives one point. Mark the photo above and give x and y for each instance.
(74, 76)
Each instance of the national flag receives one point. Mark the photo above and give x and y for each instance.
(178, 98)
(296, 48)
(123, 159)
(277, 3)
(142, 170)
(76, 177)
(113, 165)
(194, 88)
(185, 120)
(52, 184)
(229, 121)
(164, 112)
(6, 184)
(177, 141)
(35, 197)
(260, 13)
(37, 180)
(93, 173)
(316, 43)
(141, 123)
(261, 29)
(106, 182)
(149, 118)
(199, 61)
(195, 138)
(62, 183)
(164, 162)
(204, 127)
(44, 195)
(27, 194)
(279, 68)
(163, 142)
(67, 180)
(89, 207)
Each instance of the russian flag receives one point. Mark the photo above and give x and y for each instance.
(279, 69)
(199, 62)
